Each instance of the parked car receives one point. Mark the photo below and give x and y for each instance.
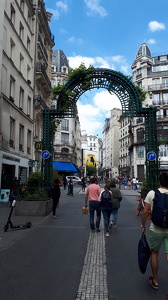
(75, 179)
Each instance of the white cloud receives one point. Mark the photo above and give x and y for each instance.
(114, 62)
(151, 41)
(54, 12)
(92, 116)
(74, 40)
(62, 5)
(105, 101)
(95, 8)
(154, 26)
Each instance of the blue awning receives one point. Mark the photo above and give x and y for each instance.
(64, 167)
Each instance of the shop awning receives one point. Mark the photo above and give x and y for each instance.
(64, 167)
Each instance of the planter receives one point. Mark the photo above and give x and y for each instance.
(33, 208)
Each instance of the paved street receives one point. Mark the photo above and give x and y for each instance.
(61, 259)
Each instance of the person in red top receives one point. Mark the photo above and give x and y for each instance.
(92, 194)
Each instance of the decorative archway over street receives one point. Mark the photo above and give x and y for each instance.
(114, 82)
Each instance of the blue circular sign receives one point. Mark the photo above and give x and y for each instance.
(45, 154)
(151, 156)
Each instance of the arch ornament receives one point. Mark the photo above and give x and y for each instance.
(117, 83)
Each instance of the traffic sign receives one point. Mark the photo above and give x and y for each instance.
(151, 156)
(45, 154)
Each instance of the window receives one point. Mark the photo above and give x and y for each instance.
(165, 112)
(12, 46)
(21, 63)
(21, 137)
(28, 72)
(12, 132)
(156, 82)
(11, 87)
(139, 71)
(165, 98)
(28, 44)
(139, 84)
(28, 106)
(163, 58)
(140, 152)
(163, 150)
(21, 31)
(156, 98)
(160, 68)
(64, 137)
(28, 141)
(29, 18)
(140, 135)
(12, 14)
(22, 3)
(165, 82)
(21, 98)
(65, 125)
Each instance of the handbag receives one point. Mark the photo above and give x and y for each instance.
(84, 210)
(144, 253)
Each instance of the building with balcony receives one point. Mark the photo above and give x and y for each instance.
(25, 72)
(151, 74)
(67, 140)
(111, 145)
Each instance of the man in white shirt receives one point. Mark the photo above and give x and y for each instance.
(158, 235)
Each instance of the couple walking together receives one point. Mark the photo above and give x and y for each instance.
(107, 202)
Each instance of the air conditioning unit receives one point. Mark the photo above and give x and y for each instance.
(29, 81)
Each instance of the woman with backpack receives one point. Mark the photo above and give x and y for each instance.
(117, 197)
(105, 199)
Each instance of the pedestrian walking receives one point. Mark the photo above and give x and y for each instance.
(64, 182)
(83, 184)
(134, 183)
(117, 197)
(92, 194)
(56, 193)
(70, 187)
(125, 180)
(106, 206)
(158, 235)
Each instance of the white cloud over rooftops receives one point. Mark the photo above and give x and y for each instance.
(155, 25)
(95, 8)
(62, 5)
(117, 62)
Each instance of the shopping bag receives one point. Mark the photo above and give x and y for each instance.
(144, 253)
(84, 210)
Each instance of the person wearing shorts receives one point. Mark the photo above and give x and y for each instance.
(158, 235)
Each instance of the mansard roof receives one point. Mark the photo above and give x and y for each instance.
(59, 59)
(143, 51)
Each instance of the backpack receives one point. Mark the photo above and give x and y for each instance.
(106, 199)
(160, 209)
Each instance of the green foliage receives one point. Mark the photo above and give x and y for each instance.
(35, 180)
(90, 170)
(141, 93)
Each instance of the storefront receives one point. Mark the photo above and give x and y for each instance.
(12, 166)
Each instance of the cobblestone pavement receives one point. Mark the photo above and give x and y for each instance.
(93, 283)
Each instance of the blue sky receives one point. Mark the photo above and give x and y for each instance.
(107, 34)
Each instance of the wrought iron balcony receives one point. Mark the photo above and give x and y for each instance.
(39, 102)
(40, 70)
(42, 47)
(157, 87)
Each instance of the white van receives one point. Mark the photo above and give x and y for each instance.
(75, 179)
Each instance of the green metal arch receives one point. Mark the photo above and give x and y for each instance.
(115, 82)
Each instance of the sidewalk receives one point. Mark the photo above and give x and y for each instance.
(9, 237)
